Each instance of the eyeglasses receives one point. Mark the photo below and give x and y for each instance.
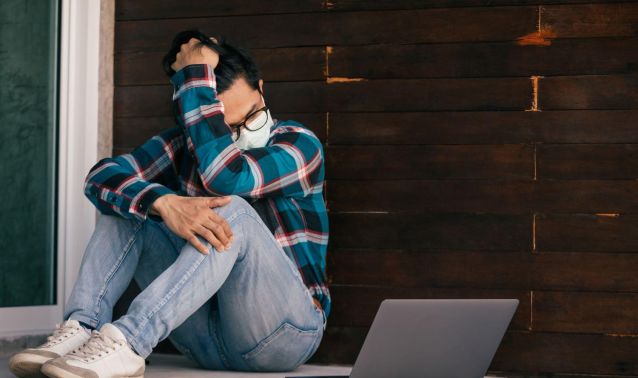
(253, 122)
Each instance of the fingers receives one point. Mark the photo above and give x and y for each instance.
(192, 42)
(222, 221)
(197, 244)
(213, 237)
(217, 201)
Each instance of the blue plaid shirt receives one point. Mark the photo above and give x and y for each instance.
(198, 157)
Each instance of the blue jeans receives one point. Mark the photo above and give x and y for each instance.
(245, 308)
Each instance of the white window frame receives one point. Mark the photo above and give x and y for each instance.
(77, 151)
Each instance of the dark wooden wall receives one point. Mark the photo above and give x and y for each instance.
(475, 149)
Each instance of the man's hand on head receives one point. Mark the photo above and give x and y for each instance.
(188, 217)
(195, 52)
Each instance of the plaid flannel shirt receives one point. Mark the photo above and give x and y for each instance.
(198, 157)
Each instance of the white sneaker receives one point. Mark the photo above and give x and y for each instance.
(66, 337)
(105, 354)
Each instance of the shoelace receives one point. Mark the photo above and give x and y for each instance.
(61, 332)
(97, 345)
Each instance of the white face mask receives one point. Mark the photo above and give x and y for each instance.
(254, 139)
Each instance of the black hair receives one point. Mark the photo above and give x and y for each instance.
(234, 61)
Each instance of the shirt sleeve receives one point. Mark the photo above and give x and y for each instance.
(128, 184)
(291, 164)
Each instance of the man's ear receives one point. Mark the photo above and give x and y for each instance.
(261, 85)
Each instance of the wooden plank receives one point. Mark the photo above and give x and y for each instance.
(424, 268)
(562, 271)
(355, 306)
(285, 64)
(589, 92)
(585, 312)
(337, 5)
(130, 132)
(377, 95)
(291, 97)
(585, 196)
(143, 101)
(534, 353)
(602, 271)
(394, 195)
(585, 232)
(447, 231)
(338, 28)
(419, 162)
(589, 161)
(590, 20)
(430, 94)
(498, 59)
(503, 127)
(491, 196)
(154, 9)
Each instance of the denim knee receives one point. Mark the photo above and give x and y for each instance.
(236, 206)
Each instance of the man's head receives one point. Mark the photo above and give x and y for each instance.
(239, 83)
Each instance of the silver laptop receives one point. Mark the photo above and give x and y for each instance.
(433, 338)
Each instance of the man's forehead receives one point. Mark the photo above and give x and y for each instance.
(239, 99)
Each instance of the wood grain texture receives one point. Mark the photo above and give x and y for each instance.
(589, 161)
(340, 28)
(492, 59)
(283, 64)
(589, 92)
(424, 267)
(585, 312)
(490, 196)
(420, 162)
(502, 127)
(499, 232)
(587, 232)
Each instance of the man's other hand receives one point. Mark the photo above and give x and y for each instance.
(195, 52)
(188, 217)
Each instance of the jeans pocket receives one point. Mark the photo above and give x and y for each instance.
(283, 350)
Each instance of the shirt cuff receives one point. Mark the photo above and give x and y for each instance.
(191, 76)
(142, 206)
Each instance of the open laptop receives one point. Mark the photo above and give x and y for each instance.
(433, 338)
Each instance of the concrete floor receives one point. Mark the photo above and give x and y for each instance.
(165, 366)
(171, 366)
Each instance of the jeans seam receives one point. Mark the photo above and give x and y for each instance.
(221, 347)
(116, 267)
(180, 284)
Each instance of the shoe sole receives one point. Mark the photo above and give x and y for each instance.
(26, 369)
(53, 371)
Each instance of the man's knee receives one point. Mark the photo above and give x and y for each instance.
(237, 205)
